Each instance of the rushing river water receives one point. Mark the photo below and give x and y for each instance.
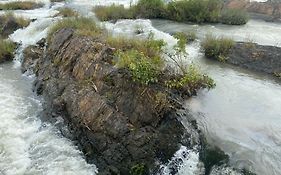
(242, 115)
(28, 146)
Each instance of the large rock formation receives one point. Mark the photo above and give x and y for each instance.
(120, 125)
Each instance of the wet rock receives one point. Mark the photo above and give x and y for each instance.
(256, 57)
(30, 57)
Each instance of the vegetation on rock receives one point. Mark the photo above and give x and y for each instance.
(217, 47)
(234, 17)
(82, 26)
(20, 5)
(67, 12)
(6, 50)
(199, 11)
(9, 23)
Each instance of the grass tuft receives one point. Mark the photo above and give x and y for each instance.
(217, 47)
(67, 12)
(20, 5)
(82, 25)
(6, 50)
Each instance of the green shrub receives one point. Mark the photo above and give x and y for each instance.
(82, 25)
(20, 5)
(234, 17)
(217, 47)
(141, 57)
(67, 12)
(113, 12)
(139, 169)
(150, 8)
(191, 81)
(143, 69)
(194, 10)
(6, 50)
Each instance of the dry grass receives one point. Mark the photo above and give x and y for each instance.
(82, 25)
(20, 5)
(67, 12)
(6, 49)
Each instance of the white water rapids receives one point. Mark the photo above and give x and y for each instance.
(28, 146)
(241, 115)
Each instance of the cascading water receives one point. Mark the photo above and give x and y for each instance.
(28, 146)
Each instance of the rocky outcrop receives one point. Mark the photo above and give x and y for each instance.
(9, 24)
(120, 125)
(256, 57)
(270, 10)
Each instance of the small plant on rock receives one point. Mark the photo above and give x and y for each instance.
(217, 47)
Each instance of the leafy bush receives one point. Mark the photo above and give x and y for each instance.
(20, 5)
(234, 17)
(143, 69)
(82, 25)
(217, 47)
(114, 12)
(6, 50)
(67, 12)
(191, 81)
(141, 57)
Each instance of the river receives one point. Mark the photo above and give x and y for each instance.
(242, 115)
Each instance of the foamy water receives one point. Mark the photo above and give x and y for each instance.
(28, 146)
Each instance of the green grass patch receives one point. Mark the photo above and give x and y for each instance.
(217, 47)
(6, 50)
(67, 12)
(234, 17)
(114, 12)
(82, 26)
(20, 5)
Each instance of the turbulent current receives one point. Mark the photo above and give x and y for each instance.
(242, 115)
